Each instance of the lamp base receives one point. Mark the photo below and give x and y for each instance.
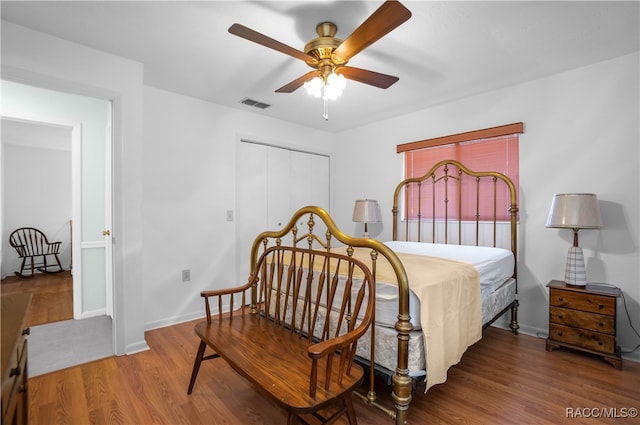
(575, 272)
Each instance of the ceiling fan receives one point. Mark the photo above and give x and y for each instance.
(329, 55)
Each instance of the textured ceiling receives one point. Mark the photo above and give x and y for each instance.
(446, 51)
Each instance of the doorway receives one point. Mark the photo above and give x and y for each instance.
(85, 124)
(37, 192)
(37, 185)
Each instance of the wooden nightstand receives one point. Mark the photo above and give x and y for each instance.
(584, 318)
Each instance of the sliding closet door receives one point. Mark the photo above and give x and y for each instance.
(251, 201)
(280, 185)
(319, 172)
(273, 183)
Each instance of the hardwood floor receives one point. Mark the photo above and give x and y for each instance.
(52, 296)
(503, 379)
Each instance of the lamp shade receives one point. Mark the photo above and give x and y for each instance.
(574, 211)
(366, 211)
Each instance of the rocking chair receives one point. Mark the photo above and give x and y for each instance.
(31, 243)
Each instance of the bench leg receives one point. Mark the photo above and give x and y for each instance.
(196, 365)
(348, 408)
(292, 419)
(351, 411)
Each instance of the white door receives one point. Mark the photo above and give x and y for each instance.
(108, 223)
(301, 181)
(320, 193)
(279, 187)
(251, 201)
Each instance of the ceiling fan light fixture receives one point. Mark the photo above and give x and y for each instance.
(314, 87)
(336, 83)
(329, 89)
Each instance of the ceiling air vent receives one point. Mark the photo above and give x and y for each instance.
(255, 103)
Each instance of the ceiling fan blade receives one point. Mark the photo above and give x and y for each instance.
(372, 78)
(384, 20)
(256, 37)
(298, 82)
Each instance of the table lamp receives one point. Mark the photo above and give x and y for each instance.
(366, 211)
(575, 211)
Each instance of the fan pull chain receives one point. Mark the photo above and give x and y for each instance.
(325, 113)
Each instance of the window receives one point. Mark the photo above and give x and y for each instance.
(494, 149)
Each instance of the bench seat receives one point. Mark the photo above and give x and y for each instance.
(276, 360)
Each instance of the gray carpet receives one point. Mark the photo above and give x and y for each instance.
(59, 345)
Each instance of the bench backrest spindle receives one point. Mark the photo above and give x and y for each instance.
(318, 296)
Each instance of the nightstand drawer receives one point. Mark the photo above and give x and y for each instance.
(583, 338)
(581, 319)
(583, 301)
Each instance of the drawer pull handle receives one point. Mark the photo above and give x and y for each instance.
(16, 371)
(26, 331)
(600, 343)
(559, 333)
(560, 299)
(600, 324)
(560, 316)
(600, 306)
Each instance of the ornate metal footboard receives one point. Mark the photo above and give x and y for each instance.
(319, 232)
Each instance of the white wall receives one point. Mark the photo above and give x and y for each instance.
(37, 193)
(581, 135)
(189, 183)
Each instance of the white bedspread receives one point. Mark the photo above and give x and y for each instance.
(495, 266)
(450, 312)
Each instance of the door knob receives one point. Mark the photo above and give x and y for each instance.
(106, 233)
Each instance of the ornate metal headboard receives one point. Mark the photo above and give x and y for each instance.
(432, 207)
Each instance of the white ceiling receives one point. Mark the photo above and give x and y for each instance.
(446, 51)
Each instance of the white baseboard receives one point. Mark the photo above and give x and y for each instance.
(169, 321)
(93, 313)
(137, 347)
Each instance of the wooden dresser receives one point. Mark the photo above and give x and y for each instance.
(14, 359)
(584, 318)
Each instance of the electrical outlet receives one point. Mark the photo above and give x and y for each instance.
(186, 275)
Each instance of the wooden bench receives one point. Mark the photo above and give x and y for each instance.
(269, 341)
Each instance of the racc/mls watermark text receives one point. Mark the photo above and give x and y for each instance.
(601, 412)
